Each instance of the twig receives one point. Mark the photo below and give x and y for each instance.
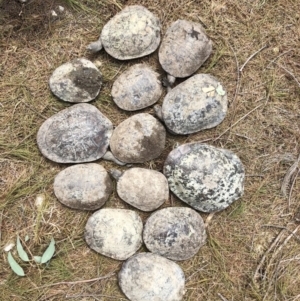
(277, 57)
(222, 298)
(291, 189)
(238, 122)
(209, 218)
(79, 281)
(94, 296)
(252, 56)
(282, 227)
(290, 73)
(262, 261)
(1, 217)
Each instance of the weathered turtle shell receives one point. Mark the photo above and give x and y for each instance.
(138, 139)
(143, 188)
(136, 88)
(83, 186)
(132, 33)
(205, 177)
(175, 232)
(184, 48)
(116, 233)
(77, 81)
(150, 277)
(77, 134)
(198, 103)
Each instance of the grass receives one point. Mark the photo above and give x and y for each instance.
(267, 141)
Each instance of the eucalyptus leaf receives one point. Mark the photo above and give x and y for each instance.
(14, 265)
(22, 254)
(49, 252)
(37, 259)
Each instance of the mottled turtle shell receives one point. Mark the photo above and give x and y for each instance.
(184, 48)
(143, 188)
(136, 88)
(138, 139)
(198, 103)
(77, 134)
(205, 177)
(77, 81)
(150, 277)
(83, 186)
(116, 233)
(132, 33)
(175, 232)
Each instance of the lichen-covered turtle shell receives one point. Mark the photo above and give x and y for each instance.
(205, 177)
(136, 88)
(198, 103)
(143, 188)
(77, 81)
(150, 277)
(138, 139)
(77, 134)
(116, 233)
(132, 33)
(83, 186)
(184, 48)
(176, 233)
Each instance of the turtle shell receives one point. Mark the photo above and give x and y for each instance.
(138, 139)
(175, 232)
(77, 81)
(205, 177)
(198, 103)
(77, 134)
(116, 233)
(132, 33)
(143, 188)
(150, 277)
(184, 48)
(136, 88)
(83, 186)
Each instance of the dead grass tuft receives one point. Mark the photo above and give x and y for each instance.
(243, 258)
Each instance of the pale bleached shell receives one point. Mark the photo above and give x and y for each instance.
(198, 103)
(138, 139)
(77, 81)
(184, 48)
(136, 88)
(133, 32)
(143, 188)
(116, 233)
(77, 134)
(175, 232)
(205, 177)
(150, 277)
(83, 186)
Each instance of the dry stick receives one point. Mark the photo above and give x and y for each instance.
(252, 56)
(94, 296)
(1, 217)
(222, 298)
(277, 57)
(238, 122)
(290, 73)
(262, 261)
(78, 282)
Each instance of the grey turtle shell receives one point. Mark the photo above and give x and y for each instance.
(176, 233)
(205, 177)
(136, 88)
(77, 81)
(138, 139)
(150, 277)
(132, 33)
(83, 186)
(143, 188)
(116, 233)
(198, 103)
(184, 48)
(77, 134)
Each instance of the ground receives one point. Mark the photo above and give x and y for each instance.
(252, 252)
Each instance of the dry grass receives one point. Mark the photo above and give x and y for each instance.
(243, 259)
